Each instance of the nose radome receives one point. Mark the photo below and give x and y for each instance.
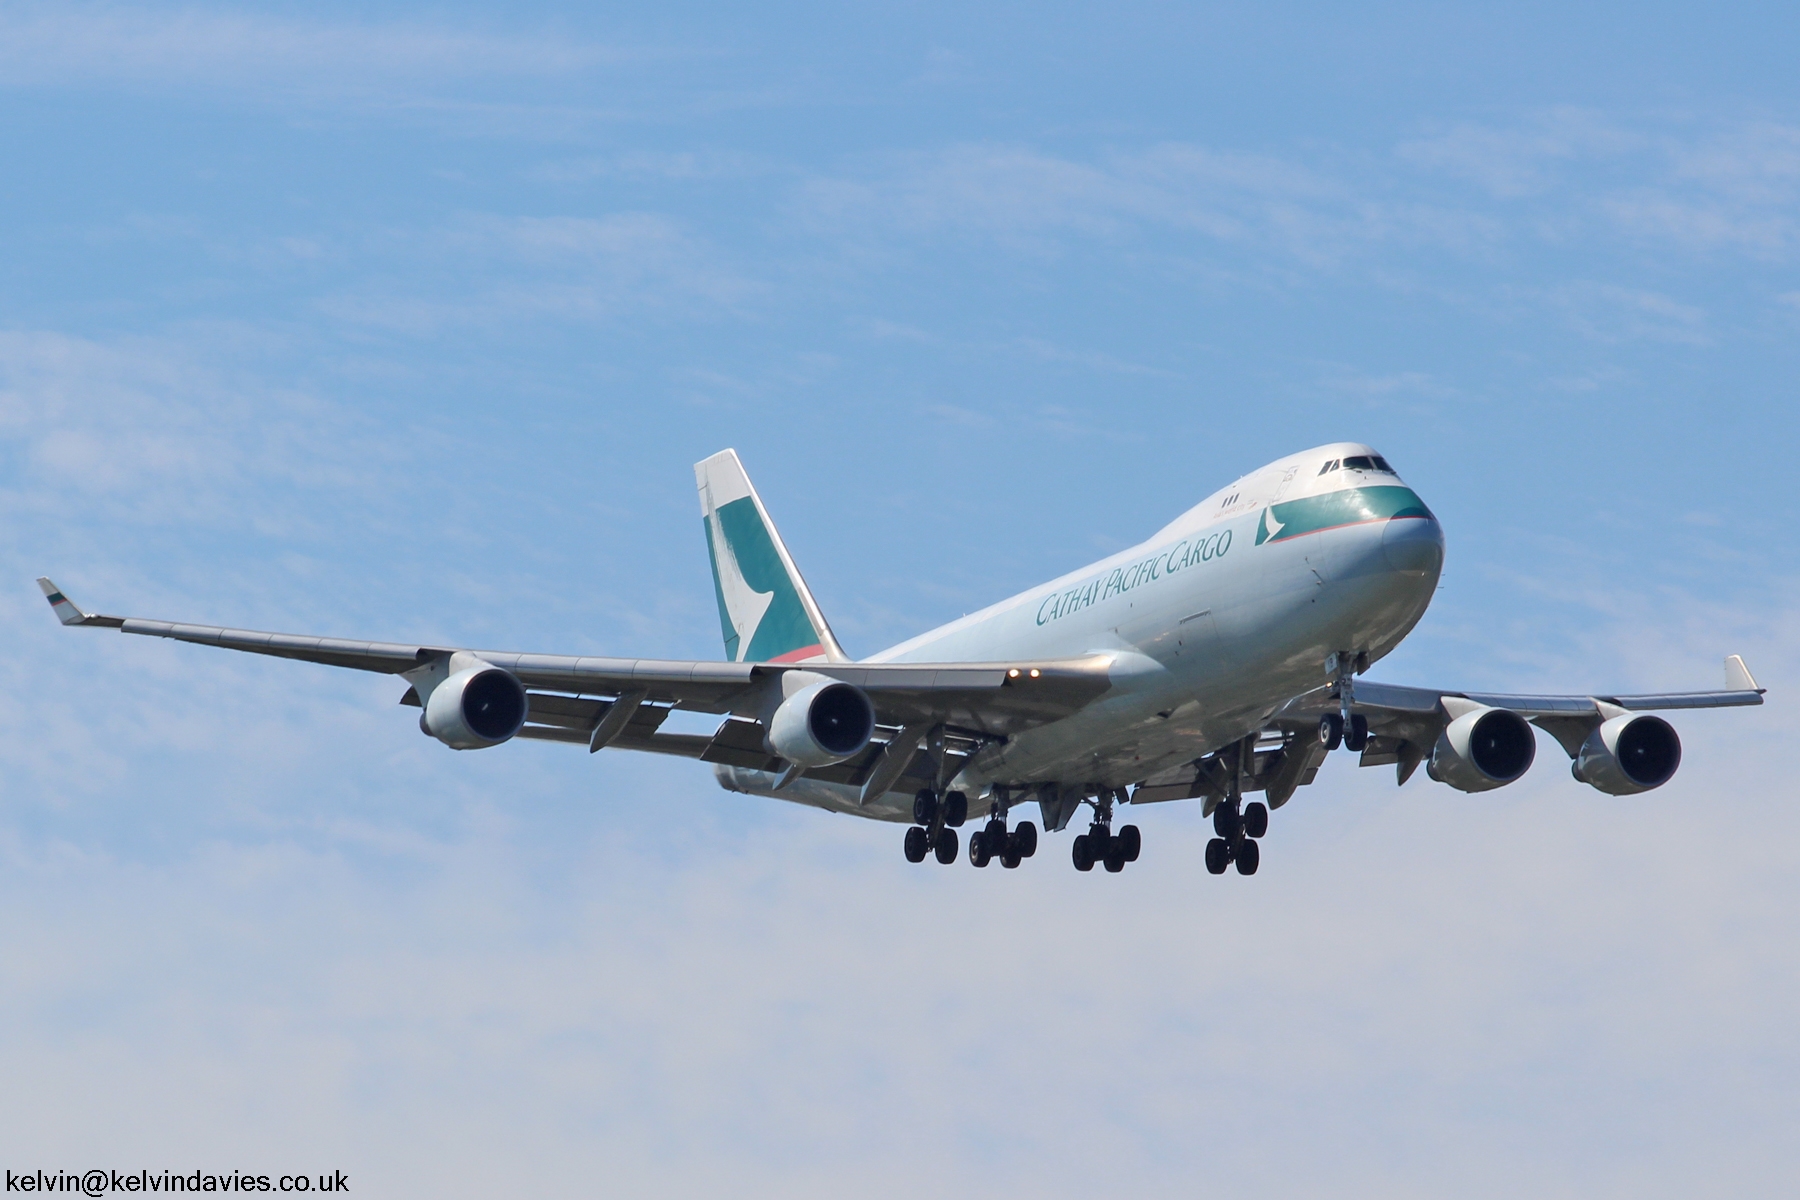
(1413, 545)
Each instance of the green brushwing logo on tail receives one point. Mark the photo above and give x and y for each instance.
(1351, 506)
(760, 612)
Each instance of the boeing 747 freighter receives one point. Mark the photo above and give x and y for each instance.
(1222, 657)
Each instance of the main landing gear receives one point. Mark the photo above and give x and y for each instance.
(1101, 845)
(993, 841)
(1237, 832)
(938, 821)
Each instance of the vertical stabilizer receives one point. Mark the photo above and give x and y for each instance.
(765, 610)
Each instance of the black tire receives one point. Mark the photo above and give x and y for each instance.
(1082, 852)
(1357, 736)
(918, 844)
(1027, 835)
(995, 832)
(980, 849)
(925, 807)
(946, 846)
(1256, 819)
(956, 809)
(1218, 856)
(1248, 855)
(1131, 842)
(1114, 857)
(1331, 731)
(1009, 860)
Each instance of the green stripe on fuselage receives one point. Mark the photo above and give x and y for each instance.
(1351, 506)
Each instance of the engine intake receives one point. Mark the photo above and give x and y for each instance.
(1483, 749)
(475, 708)
(823, 723)
(1628, 754)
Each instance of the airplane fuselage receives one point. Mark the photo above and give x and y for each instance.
(1212, 624)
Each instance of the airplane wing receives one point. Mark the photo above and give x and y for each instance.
(1397, 713)
(571, 697)
(1404, 725)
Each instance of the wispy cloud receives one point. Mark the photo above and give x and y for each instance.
(1521, 160)
(1038, 202)
(1610, 313)
(581, 269)
(201, 47)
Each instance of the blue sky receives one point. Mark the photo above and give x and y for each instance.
(408, 322)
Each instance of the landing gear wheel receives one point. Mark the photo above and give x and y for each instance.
(956, 809)
(980, 848)
(1218, 856)
(1248, 855)
(1009, 861)
(1331, 731)
(1083, 853)
(1357, 736)
(1027, 835)
(946, 846)
(1256, 819)
(918, 844)
(1114, 857)
(925, 807)
(1131, 841)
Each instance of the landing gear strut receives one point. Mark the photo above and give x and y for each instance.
(937, 820)
(993, 841)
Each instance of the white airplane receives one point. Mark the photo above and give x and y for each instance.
(1218, 658)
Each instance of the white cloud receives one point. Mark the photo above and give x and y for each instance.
(143, 430)
(1524, 160)
(584, 269)
(1610, 313)
(1038, 202)
(56, 45)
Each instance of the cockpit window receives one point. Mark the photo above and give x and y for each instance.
(1330, 466)
(1358, 463)
(1381, 464)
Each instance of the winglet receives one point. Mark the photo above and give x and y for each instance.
(66, 610)
(1737, 675)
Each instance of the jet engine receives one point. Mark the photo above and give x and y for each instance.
(475, 708)
(1483, 749)
(823, 723)
(1628, 754)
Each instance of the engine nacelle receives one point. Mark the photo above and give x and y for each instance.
(475, 708)
(822, 723)
(1628, 754)
(1483, 749)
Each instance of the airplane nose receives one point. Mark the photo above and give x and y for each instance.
(1413, 545)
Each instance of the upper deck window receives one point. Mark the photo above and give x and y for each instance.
(1330, 466)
